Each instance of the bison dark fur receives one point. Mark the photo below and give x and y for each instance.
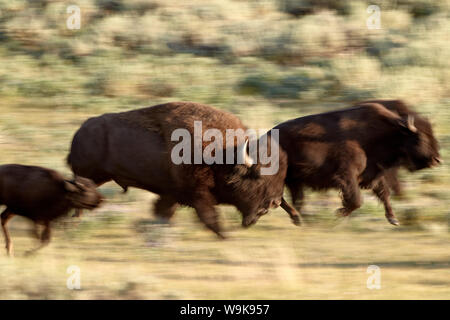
(41, 195)
(134, 149)
(353, 148)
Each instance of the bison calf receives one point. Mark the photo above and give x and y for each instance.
(41, 195)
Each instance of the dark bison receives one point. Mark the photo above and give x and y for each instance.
(41, 195)
(351, 149)
(134, 149)
(421, 123)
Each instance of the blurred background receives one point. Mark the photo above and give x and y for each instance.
(266, 61)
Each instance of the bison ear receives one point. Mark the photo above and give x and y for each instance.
(70, 186)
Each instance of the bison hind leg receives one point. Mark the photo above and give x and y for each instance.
(165, 208)
(297, 195)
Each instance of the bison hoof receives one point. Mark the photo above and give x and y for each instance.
(221, 236)
(29, 253)
(10, 253)
(342, 212)
(393, 221)
(296, 220)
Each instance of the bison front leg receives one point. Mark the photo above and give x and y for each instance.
(381, 190)
(295, 216)
(165, 208)
(351, 196)
(44, 238)
(209, 216)
(5, 217)
(391, 179)
(297, 195)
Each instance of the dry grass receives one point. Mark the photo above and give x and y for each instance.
(123, 254)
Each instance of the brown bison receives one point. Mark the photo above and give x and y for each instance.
(41, 195)
(351, 149)
(135, 149)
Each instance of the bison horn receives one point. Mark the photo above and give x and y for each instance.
(247, 160)
(410, 123)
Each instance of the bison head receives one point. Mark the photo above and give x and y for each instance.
(421, 149)
(82, 193)
(254, 189)
(252, 215)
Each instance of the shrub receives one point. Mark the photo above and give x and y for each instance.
(291, 85)
(40, 88)
(299, 8)
(300, 40)
(157, 88)
(423, 8)
(110, 6)
(353, 72)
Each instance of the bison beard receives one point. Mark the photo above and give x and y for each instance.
(355, 148)
(133, 149)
